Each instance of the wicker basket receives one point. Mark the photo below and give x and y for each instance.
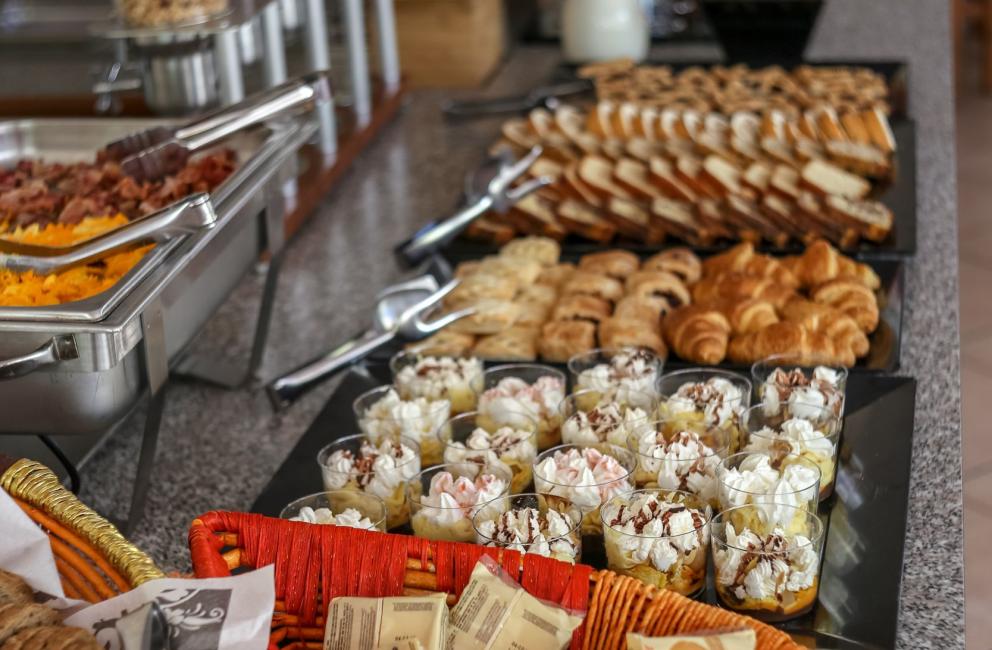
(314, 564)
(94, 561)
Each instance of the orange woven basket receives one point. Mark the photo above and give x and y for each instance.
(94, 561)
(314, 564)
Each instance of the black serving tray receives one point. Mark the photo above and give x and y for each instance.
(861, 574)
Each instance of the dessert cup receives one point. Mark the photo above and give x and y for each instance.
(585, 476)
(436, 378)
(381, 413)
(444, 498)
(358, 464)
(625, 375)
(705, 397)
(466, 440)
(660, 537)
(589, 418)
(814, 436)
(672, 456)
(531, 523)
(778, 485)
(790, 379)
(340, 508)
(535, 391)
(763, 570)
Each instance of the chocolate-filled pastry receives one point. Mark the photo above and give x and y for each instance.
(649, 309)
(581, 307)
(518, 343)
(491, 316)
(593, 284)
(543, 250)
(659, 284)
(749, 315)
(555, 276)
(619, 333)
(787, 337)
(697, 334)
(851, 297)
(840, 327)
(562, 340)
(680, 262)
(614, 263)
(446, 343)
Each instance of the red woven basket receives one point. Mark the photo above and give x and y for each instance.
(314, 564)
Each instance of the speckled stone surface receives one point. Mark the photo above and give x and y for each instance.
(219, 448)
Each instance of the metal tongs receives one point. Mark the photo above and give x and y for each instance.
(400, 313)
(496, 194)
(161, 151)
(189, 215)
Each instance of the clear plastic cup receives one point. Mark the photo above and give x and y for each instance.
(705, 405)
(589, 418)
(815, 437)
(450, 519)
(775, 483)
(342, 468)
(627, 375)
(354, 509)
(528, 389)
(562, 472)
(671, 456)
(465, 438)
(785, 563)
(799, 379)
(437, 377)
(381, 413)
(668, 552)
(510, 524)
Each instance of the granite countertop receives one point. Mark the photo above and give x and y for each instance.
(218, 448)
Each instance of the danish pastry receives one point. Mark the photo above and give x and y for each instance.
(659, 284)
(613, 263)
(617, 332)
(562, 340)
(649, 309)
(581, 307)
(593, 284)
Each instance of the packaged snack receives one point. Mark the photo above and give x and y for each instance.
(386, 623)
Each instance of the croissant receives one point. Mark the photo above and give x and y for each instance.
(748, 315)
(787, 337)
(659, 284)
(620, 332)
(742, 259)
(736, 286)
(852, 298)
(821, 262)
(822, 318)
(697, 334)
(680, 262)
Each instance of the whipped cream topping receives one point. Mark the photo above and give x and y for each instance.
(348, 517)
(608, 422)
(529, 531)
(804, 396)
(656, 531)
(512, 398)
(392, 416)
(771, 491)
(794, 436)
(719, 400)
(491, 447)
(765, 567)
(684, 462)
(377, 469)
(586, 477)
(451, 499)
(434, 377)
(628, 378)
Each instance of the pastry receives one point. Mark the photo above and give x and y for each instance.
(581, 307)
(542, 250)
(516, 343)
(697, 334)
(489, 317)
(787, 337)
(563, 339)
(662, 539)
(481, 286)
(743, 259)
(748, 315)
(872, 219)
(613, 263)
(646, 309)
(841, 328)
(13, 589)
(680, 262)
(738, 286)
(633, 219)
(556, 275)
(584, 477)
(529, 530)
(659, 284)
(532, 314)
(821, 262)
(585, 220)
(446, 343)
(593, 284)
(436, 378)
(524, 271)
(617, 332)
(852, 298)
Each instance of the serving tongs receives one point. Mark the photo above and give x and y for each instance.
(160, 151)
(183, 217)
(495, 191)
(399, 314)
(547, 96)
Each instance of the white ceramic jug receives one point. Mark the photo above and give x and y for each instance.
(599, 30)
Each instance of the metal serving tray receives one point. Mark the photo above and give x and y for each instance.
(149, 316)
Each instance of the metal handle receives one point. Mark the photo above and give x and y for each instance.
(287, 389)
(183, 217)
(430, 239)
(55, 350)
(482, 107)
